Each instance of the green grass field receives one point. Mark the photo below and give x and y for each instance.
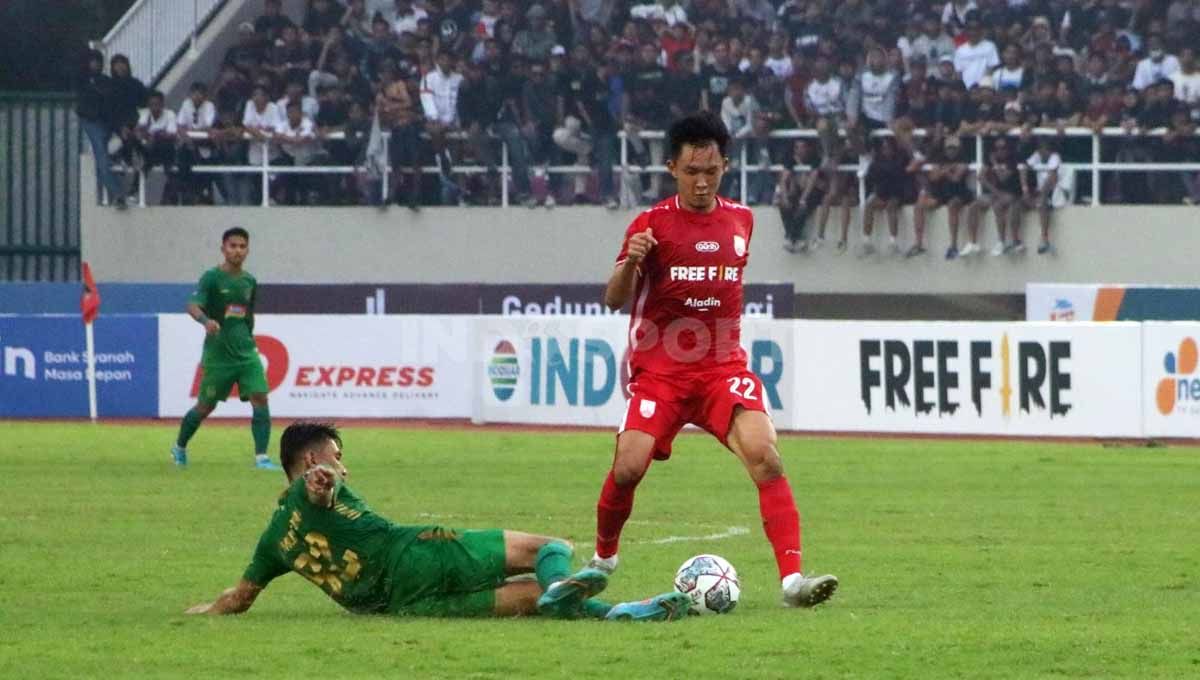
(957, 559)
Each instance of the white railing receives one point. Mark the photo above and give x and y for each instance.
(152, 32)
(743, 168)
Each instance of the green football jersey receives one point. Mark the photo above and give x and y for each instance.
(228, 300)
(349, 551)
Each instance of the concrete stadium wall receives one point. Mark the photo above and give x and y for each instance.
(517, 245)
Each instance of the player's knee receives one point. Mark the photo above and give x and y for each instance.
(555, 546)
(764, 460)
(625, 474)
(204, 409)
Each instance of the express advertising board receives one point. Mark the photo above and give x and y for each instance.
(43, 366)
(969, 378)
(335, 366)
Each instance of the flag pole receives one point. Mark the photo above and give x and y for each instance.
(89, 307)
(91, 369)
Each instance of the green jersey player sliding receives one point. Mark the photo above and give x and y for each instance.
(324, 532)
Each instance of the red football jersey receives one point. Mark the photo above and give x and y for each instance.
(687, 306)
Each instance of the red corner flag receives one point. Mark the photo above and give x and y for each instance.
(89, 303)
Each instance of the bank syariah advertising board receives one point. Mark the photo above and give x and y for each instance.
(335, 366)
(979, 378)
(43, 367)
(574, 370)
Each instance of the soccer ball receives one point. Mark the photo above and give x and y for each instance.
(711, 582)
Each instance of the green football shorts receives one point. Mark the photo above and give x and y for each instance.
(449, 573)
(219, 379)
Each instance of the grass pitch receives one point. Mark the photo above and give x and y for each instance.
(957, 559)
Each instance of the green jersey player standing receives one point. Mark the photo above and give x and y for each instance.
(223, 303)
(324, 532)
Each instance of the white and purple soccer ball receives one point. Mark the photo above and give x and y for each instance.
(711, 582)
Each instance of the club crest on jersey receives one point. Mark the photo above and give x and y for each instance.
(739, 245)
(646, 408)
(707, 246)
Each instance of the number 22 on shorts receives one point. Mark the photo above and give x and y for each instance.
(742, 387)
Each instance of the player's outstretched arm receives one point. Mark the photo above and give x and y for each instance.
(235, 600)
(624, 278)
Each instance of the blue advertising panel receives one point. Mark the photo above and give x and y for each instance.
(43, 366)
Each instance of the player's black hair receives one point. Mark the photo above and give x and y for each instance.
(301, 436)
(235, 231)
(200, 86)
(698, 129)
(156, 94)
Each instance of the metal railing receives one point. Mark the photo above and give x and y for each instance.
(743, 169)
(152, 33)
(39, 187)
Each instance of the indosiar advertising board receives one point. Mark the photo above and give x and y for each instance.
(574, 370)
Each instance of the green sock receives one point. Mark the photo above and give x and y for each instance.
(595, 609)
(187, 428)
(260, 427)
(553, 563)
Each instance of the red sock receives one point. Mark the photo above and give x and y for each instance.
(616, 502)
(781, 522)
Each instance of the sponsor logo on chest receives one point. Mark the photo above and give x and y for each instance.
(705, 273)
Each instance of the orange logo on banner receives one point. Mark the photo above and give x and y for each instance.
(1178, 364)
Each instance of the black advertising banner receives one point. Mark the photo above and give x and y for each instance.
(772, 300)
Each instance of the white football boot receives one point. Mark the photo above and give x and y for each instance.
(808, 591)
(605, 564)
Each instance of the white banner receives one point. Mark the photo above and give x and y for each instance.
(970, 378)
(335, 366)
(1061, 301)
(573, 370)
(1171, 379)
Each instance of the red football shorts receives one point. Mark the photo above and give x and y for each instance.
(661, 405)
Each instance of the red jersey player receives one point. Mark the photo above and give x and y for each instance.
(681, 263)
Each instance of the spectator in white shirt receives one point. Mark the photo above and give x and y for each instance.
(439, 92)
(439, 101)
(954, 14)
(197, 111)
(778, 59)
(1158, 65)
(404, 17)
(295, 92)
(297, 138)
(670, 11)
(825, 98)
(154, 141)
(1187, 78)
(260, 119)
(196, 114)
(1044, 195)
(976, 57)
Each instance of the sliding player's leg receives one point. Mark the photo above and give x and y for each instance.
(561, 593)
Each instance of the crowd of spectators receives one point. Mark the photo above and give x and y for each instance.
(556, 80)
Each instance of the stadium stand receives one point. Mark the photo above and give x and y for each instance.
(498, 102)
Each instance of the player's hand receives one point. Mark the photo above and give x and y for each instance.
(200, 608)
(212, 327)
(639, 246)
(319, 481)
